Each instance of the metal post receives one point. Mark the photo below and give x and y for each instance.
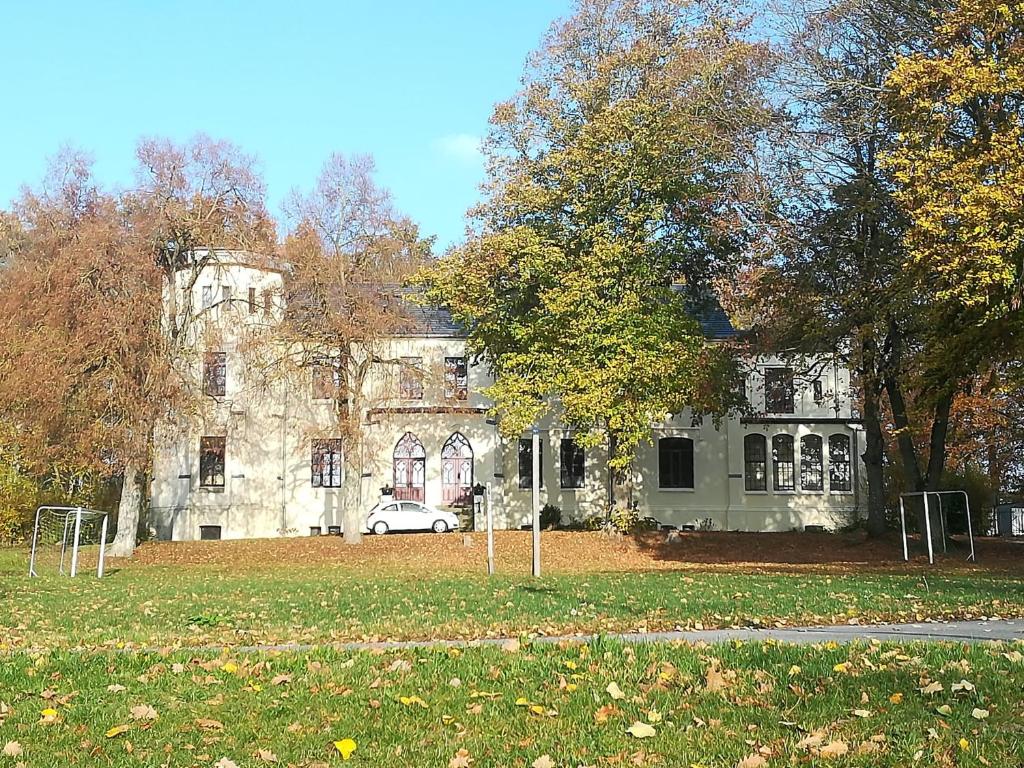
(74, 550)
(490, 532)
(928, 529)
(970, 530)
(64, 540)
(35, 543)
(536, 501)
(103, 547)
(942, 522)
(903, 527)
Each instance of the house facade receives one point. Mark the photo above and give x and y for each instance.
(287, 454)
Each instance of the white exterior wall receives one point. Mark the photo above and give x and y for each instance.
(269, 429)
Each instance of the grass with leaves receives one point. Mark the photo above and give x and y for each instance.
(172, 606)
(600, 704)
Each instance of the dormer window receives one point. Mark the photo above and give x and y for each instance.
(778, 390)
(456, 378)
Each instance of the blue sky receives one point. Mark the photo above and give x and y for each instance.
(411, 83)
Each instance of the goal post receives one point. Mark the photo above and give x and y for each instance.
(67, 539)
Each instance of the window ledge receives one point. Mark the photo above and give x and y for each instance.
(677, 490)
(211, 488)
(756, 493)
(840, 493)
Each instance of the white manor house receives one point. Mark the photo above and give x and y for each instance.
(263, 460)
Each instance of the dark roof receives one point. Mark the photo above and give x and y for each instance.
(431, 321)
(436, 321)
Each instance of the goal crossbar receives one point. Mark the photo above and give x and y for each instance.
(928, 521)
(71, 518)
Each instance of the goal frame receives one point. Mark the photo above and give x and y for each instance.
(70, 513)
(928, 522)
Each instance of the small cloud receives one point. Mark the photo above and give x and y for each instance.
(461, 147)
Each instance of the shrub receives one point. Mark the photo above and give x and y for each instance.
(19, 496)
(550, 516)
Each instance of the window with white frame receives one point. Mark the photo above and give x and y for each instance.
(326, 463)
(675, 462)
(572, 463)
(755, 463)
(811, 472)
(783, 469)
(526, 463)
(840, 476)
(778, 390)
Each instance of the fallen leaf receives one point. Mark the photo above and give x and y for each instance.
(979, 714)
(640, 730)
(945, 709)
(280, 679)
(345, 748)
(115, 688)
(861, 713)
(143, 712)
(614, 691)
(266, 756)
(12, 749)
(117, 730)
(225, 763)
(210, 725)
(834, 749)
(544, 761)
(461, 759)
(931, 688)
(752, 761)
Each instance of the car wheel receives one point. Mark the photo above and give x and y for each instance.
(440, 526)
(380, 527)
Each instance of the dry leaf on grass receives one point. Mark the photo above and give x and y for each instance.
(12, 749)
(834, 749)
(614, 691)
(752, 761)
(640, 730)
(544, 761)
(143, 712)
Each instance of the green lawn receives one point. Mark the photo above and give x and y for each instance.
(711, 707)
(178, 606)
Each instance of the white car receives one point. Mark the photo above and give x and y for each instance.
(409, 516)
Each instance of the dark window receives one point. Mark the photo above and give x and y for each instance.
(252, 300)
(215, 374)
(207, 296)
(526, 463)
(839, 476)
(225, 295)
(211, 462)
(811, 472)
(328, 380)
(326, 464)
(456, 378)
(572, 461)
(209, 533)
(818, 390)
(410, 379)
(778, 390)
(675, 462)
(755, 463)
(268, 301)
(782, 463)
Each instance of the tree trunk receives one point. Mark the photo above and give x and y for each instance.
(128, 513)
(874, 447)
(353, 527)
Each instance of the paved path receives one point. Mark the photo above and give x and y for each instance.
(953, 632)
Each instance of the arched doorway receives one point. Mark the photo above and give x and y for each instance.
(410, 464)
(457, 471)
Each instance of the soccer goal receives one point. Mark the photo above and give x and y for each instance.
(943, 520)
(66, 540)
